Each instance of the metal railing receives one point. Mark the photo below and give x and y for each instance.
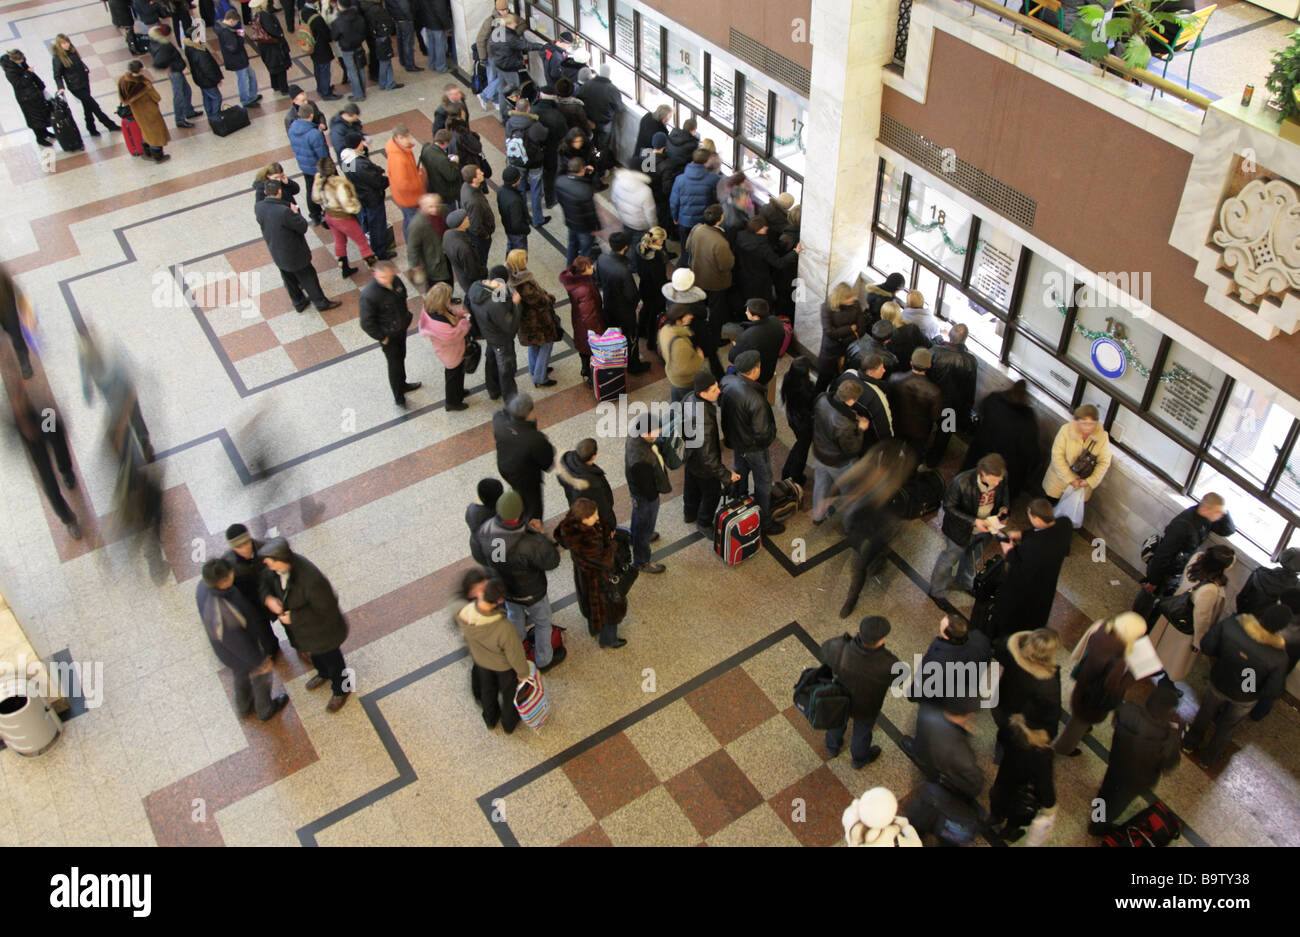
(1061, 41)
(900, 37)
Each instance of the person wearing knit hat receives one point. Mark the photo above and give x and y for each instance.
(305, 602)
(915, 401)
(513, 208)
(524, 453)
(1250, 666)
(705, 471)
(749, 426)
(250, 574)
(1144, 746)
(488, 491)
(457, 219)
(866, 669)
(514, 545)
(659, 141)
(872, 820)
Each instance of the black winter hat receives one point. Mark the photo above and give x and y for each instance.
(237, 535)
(703, 380)
(883, 330)
(873, 629)
(511, 175)
(489, 489)
(499, 272)
(1275, 618)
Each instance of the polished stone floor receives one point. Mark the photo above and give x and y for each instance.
(284, 421)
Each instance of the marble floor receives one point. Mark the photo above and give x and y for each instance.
(284, 421)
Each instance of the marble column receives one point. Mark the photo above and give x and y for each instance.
(466, 17)
(852, 41)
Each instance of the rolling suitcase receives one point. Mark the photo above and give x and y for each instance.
(608, 383)
(229, 120)
(65, 128)
(736, 533)
(131, 134)
(1157, 825)
(921, 496)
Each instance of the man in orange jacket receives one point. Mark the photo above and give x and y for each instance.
(405, 174)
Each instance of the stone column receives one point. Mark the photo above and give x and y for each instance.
(466, 17)
(852, 41)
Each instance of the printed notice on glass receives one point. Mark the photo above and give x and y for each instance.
(994, 272)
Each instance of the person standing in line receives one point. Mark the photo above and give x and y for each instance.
(538, 324)
(345, 129)
(403, 14)
(1033, 565)
(712, 261)
(466, 265)
(303, 599)
(513, 211)
(1184, 536)
(322, 52)
(973, 501)
(705, 473)
(798, 396)
(138, 95)
(482, 223)
(1143, 746)
(524, 454)
(1101, 677)
(591, 545)
(71, 73)
(228, 618)
(249, 571)
(916, 403)
(749, 429)
(350, 31)
(620, 297)
(385, 318)
(496, 314)
(424, 252)
(523, 124)
(166, 57)
(647, 479)
(693, 192)
(274, 53)
(585, 310)
(234, 58)
(447, 327)
(1080, 455)
(634, 203)
(866, 668)
(481, 510)
(577, 200)
(370, 183)
(837, 442)
(309, 148)
(207, 74)
(1177, 638)
(843, 323)
(488, 97)
(284, 231)
(382, 28)
(677, 348)
(338, 199)
(442, 169)
(581, 477)
(497, 653)
(405, 175)
(953, 370)
(650, 261)
(764, 333)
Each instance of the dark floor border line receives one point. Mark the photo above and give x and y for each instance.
(1241, 30)
(798, 569)
(502, 828)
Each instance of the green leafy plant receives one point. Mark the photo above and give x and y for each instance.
(1127, 29)
(1285, 76)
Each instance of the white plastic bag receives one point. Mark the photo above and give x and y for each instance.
(1071, 506)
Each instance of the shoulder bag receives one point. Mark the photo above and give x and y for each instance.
(1085, 462)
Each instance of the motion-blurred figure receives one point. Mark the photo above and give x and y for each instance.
(42, 431)
(870, 522)
(17, 318)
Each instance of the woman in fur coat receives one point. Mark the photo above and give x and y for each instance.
(537, 325)
(591, 545)
(336, 195)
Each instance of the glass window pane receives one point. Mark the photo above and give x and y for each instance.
(928, 283)
(753, 124)
(624, 32)
(1043, 368)
(1186, 393)
(1160, 450)
(795, 188)
(650, 48)
(1092, 394)
(997, 258)
(652, 96)
(937, 227)
(1288, 484)
(765, 177)
(1255, 520)
(887, 257)
(788, 134)
(623, 77)
(1046, 296)
(722, 93)
(1251, 432)
(546, 5)
(1110, 344)
(593, 21)
(985, 327)
(686, 70)
(542, 23)
(891, 197)
(564, 12)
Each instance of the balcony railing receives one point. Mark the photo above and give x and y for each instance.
(900, 37)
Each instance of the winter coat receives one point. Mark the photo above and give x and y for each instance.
(203, 67)
(529, 126)
(424, 250)
(523, 451)
(757, 264)
(1027, 687)
(1176, 650)
(476, 515)
(466, 264)
(468, 148)
(165, 56)
(602, 99)
(1250, 663)
(917, 405)
(120, 14)
(537, 322)
(747, 421)
(226, 615)
(1067, 447)
(652, 276)
(1011, 430)
(677, 347)
(867, 673)
(234, 54)
(336, 196)
(549, 115)
(509, 50)
(441, 174)
(315, 620)
(907, 338)
(322, 49)
(1024, 600)
(643, 466)
(1183, 536)
(705, 459)
(403, 174)
(284, 231)
(143, 101)
(575, 115)
(837, 328)
(692, 192)
(289, 190)
(837, 440)
(646, 130)
(345, 134)
(941, 656)
(308, 145)
(634, 203)
(483, 38)
(492, 641)
(1142, 748)
(482, 223)
(1101, 676)
(766, 336)
(381, 26)
(875, 401)
(249, 574)
(350, 29)
(618, 291)
(74, 76)
(433, 14)
(527, 557)
(384, 312)
(583, 480)
(585, 308)
(1264, 587)
(961, 502)
(513, 210)
(1024, 780)
(448, 340)
(953, 370)
(678, 152)
(275, 55)
(577, 199)
(711, 257)
(497, 319)
(367, 179)
(592, 550)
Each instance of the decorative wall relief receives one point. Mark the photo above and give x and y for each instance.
(1259, 234)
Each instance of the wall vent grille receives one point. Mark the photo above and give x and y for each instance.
(770, 62)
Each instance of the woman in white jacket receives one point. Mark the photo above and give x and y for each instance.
(1206, 577)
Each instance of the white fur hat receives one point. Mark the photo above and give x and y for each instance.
(683, 279)
(877, 807)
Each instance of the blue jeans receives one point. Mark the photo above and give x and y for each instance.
(211, 101)
(824, 477)
(321, 70)
(579, 245)
(941, 576)
(386, 79)
(181, 100)
(539, 613)
(406, 44)
(516, 242)
(858, 745)
(435, 40)
(356, 77)
(407, 215)
(644, 516)
(535, 196)
(247, 79)
(491, 89)
(761, 465)
(539, 356)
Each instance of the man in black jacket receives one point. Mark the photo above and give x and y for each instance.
(1250, 665)
(758, 264)
(434, 17)
(249, 570)
(442, 169)
(581, 477)
(350, 31)
(705, 471)
(971, 508)
(382, 30)
(509, 51)
(167, 57)
(950, 670)
(466, 265)
(1033, 565)
(1184, 536)
(943, 751)
(837, 441)
(479, 512)
(953, 370)
(522, 555)
(874, 402)
(916, 403)
(524, 454)
(346, 131)
(548, 113)
(604, 104)
(749, 428)
(527, 127)
(228, 618)
(764, 334)
(1143, 746)
(1265, 585)
(284, 231)
(307, 605)
(647, 479)
(866, 668)
(207, 75)
(577, 199)
(620, 297)
(234, 57)
(370, 182)
(482, 223)
(679, 149)
(496, 315)
(513, 211)
(322, 53)
(385, 318)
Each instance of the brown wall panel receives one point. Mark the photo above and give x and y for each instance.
(1107, 191)
(768, 21)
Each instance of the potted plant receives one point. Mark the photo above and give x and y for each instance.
(1127, 30)
(1284, 77)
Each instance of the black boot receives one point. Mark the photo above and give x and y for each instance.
(344, 268)
(855, 589)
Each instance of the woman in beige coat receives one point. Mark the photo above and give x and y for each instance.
(1083, 433)
(1206, 577)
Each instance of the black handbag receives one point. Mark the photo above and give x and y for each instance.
(124, 112)
(359, 56)
(1085, 462)
(1180, 610)
(473, 355)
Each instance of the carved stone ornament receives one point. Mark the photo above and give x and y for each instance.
(1259, 233)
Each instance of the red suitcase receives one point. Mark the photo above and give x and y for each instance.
(134, 140)
(736, 533)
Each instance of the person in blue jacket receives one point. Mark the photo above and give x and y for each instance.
(309, 147)
(693, 191)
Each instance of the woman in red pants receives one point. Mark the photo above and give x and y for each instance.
(336, 195)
